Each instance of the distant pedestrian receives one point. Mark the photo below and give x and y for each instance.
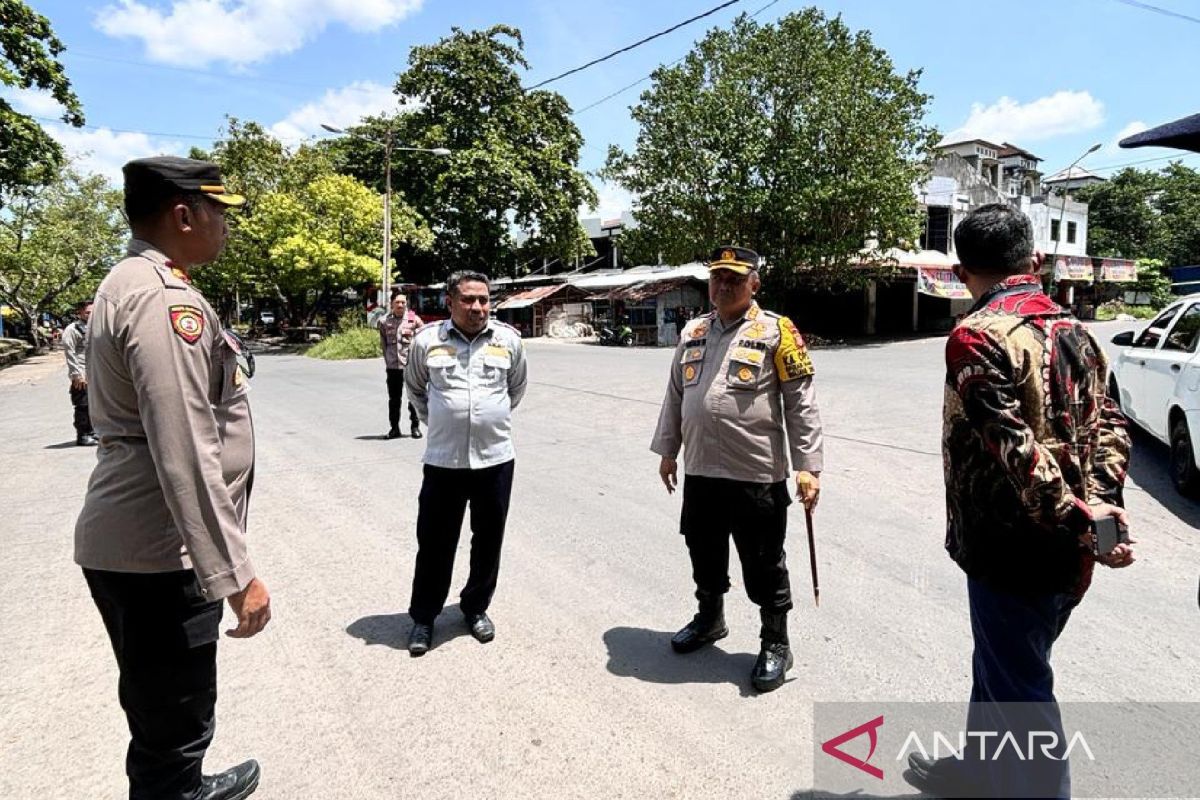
(162, 534)
(465, 376)
(396, 331)
(741, 405)
(74, 341)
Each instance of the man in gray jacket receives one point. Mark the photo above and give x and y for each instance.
(464, 376)
(74, 342)
(162, 534)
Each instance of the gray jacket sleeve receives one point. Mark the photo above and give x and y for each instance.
(173, 380)
(518, 375)
(668, 436)
(803, 422)
(74, 350)
(416, 378)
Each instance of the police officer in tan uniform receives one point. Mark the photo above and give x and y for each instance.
(396, 332)
(162, 534)
(740, 403)
(74, 342)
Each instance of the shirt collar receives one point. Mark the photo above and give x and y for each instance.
(143, 249)
(448, 328)
(1013, 283)
(752, 313)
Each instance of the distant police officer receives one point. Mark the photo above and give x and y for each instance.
(741, 378)
(74, 341)
(396, 332)
(465, 376)
(162, 534)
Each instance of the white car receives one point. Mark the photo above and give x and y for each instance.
(1156, 379)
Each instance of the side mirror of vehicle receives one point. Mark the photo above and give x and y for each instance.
(1123, 339)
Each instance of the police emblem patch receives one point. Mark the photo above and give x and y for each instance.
(187, 322)
(689, 372)
(744, 374)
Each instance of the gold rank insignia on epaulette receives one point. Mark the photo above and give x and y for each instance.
(791, 358)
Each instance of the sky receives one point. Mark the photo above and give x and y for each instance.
(1052, 76)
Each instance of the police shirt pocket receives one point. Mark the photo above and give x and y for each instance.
(691, 363)
(745, 364)
(441, 370)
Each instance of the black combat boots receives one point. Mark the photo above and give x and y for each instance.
(775, 658)
(706, 627)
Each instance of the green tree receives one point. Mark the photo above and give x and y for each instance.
(293, 242)
(56, 243)
(513, 161)
(1154, 281)
(1178, 201)
(796, 138)
(1123, 218)
(29, 59)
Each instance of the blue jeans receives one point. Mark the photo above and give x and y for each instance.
(1013, 688)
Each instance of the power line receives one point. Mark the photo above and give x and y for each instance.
(650, 38)
(624, 89)
(1157, 10)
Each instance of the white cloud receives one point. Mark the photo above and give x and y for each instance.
(1059, 114)
(34, 102)
(105, 151)
(339, 108)
(1113, 147)
(611, 200)
(196, 32)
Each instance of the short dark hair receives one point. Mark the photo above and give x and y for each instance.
(995, 239)
(142, 207)
(82, 304)
(463, 276)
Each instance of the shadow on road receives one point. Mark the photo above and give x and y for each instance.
(647, 655)
(61, 446)
(1150, 468)
(817, 794)
(391, 630)
(375, 437)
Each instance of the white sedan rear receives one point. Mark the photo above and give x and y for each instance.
(1156, 379)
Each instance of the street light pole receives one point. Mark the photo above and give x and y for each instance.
(1062, 211)
(389, 146)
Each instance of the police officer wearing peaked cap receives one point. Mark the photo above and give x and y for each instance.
(740, 403)
(162, 534)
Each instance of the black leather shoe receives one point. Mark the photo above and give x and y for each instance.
(698, 633)
(937, 777)
(416, 432)
(419, 639)
(774, 660)
(481, 627)
(86, 440)
(232, 784)
(394, 433)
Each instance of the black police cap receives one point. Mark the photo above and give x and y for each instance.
(167, 174)
(1182, 133)
(734, 259)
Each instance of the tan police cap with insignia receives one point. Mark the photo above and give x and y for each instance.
(734, 259)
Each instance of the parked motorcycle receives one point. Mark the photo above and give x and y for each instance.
(618, 335)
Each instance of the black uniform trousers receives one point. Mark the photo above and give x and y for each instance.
(164, 634)
(445, 494)
(756, 515)
(395, 386)
(83, 419)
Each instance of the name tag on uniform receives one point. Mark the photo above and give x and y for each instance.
(748, 355)
(446, 350)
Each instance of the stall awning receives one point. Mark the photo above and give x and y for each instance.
(1074, 268)
(940, 282)
(1117, 270)
(516, 302)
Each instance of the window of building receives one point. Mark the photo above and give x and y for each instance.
(1054, 230)
(1071, 228)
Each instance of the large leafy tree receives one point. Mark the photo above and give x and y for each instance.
(305, 232)
(797, 138)
(29, 60)
(512, 163)
(1179, 203)
(56, 242)
(1123, 221)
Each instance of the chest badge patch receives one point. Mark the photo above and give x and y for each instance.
(744, 374)
(689, 372)
(187, 322)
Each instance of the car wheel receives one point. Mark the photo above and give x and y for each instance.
(1184, 474)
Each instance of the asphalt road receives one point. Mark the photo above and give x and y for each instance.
(579, 695)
